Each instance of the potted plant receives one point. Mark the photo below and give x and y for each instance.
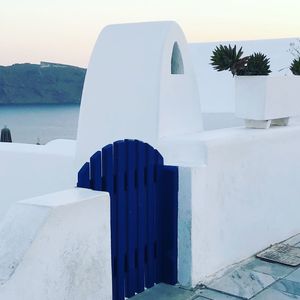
(260, 100)
(295, 66)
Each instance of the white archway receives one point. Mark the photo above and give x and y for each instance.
(129, 91)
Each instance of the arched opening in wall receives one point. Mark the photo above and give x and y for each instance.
(176, 60)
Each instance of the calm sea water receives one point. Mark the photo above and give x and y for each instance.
(30, 123)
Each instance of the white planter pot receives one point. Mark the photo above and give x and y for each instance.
(264, 100)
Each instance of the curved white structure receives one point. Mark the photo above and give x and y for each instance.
(139, 84)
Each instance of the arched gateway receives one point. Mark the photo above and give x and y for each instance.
(139, 86)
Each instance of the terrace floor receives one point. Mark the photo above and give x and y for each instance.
(251, 279)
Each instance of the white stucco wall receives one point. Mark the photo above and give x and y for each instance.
(129, 91)
(238, 188)
(241, 189)
(216, 89)
(31, 170)
(57, 246)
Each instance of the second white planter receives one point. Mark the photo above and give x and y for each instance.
(264, 100)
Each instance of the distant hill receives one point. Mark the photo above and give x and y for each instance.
(45, 83)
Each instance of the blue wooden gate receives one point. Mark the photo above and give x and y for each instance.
(144, 210)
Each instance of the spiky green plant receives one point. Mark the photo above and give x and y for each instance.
(295, 66)
(225, 58)
(257, 64)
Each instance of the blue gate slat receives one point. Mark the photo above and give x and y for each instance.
(131, 276)
(158, 161)
(168, 191)
(160, 225)
(107, 167)
(95, 165)
(120, 165)
(108, 186)
(83, 179)
(150, 225)
(141, 224)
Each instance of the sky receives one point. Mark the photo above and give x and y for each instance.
(64, 31)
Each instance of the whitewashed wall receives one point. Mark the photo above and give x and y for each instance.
(57, 246)
(216, 89)
(240, 187)
(30, 170)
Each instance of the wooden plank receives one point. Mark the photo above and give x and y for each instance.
(108, 186)
(83, 179)
(168, 194)
(95, 165)
(108, 175)
(150, 224)
(158, 160)
(141, 224)
(119, 168)
(172, 184)
(131, 193)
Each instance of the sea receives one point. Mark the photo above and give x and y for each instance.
(41, 123)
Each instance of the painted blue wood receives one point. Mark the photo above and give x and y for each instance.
(141, 220)
(168, 233)
(119, 168)
(108, 186)
(96, 176)
(150, 222)
(83, 179)
(144, 212)
(132, 219)
(158, 214)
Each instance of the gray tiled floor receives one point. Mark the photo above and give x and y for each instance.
(294, 240)
(273, 293)
(294, 276)
(213, 295)
(275, 270)
(243, 283)
(253, 279)
(164, 292)
(285, 281)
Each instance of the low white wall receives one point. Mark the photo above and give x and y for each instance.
(31, 170)
(57, 246)
(242, 192)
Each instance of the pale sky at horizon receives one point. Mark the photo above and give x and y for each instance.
(65, 31)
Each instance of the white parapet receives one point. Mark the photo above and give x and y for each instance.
(239, 192)
(33, 170)
(57, 246)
